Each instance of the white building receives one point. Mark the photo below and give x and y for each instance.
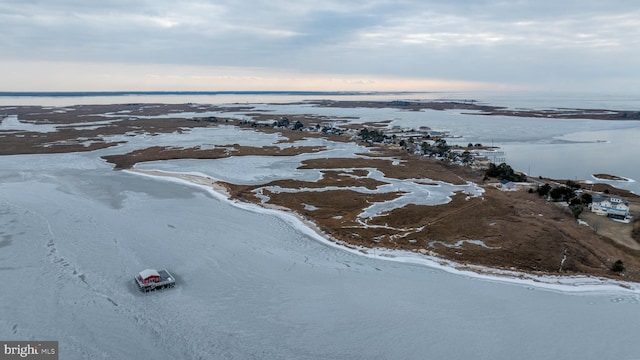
(611, 206)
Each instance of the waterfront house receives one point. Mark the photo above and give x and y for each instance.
(611, 206)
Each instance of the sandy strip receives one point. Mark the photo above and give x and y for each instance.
(192, 178)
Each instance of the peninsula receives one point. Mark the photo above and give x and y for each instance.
(511, 230)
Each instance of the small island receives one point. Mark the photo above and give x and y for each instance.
(609, 177)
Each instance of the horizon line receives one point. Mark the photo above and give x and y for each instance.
(195, 92)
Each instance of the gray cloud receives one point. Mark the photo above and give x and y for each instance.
(523, 42)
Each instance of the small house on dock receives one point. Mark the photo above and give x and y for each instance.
(149, 276)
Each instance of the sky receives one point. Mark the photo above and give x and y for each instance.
(329, 45)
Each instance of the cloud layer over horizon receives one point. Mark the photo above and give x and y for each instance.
(331, 45)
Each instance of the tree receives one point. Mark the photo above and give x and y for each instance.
(568, 193)
(442, 149)
(466, 158)
(562, 192)
(371, 135)
(364, 134)
(492, 171)
(451, 157)
(504, 171)
(298, 125)
(576, 210)
(617, 266)
(284, 122)
(586, 198)
(426, 148)
(555, 193)
(572, 184)
(544, 190)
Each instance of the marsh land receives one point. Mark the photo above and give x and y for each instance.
(513, 230)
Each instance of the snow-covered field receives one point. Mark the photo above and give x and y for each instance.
(254, 283)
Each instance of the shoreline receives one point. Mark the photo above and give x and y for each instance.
(547, 240)
(566, 284)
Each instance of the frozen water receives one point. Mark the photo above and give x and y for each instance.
(259, 284)
(254, 283)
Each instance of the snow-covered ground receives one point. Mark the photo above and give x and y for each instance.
(254, 283)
